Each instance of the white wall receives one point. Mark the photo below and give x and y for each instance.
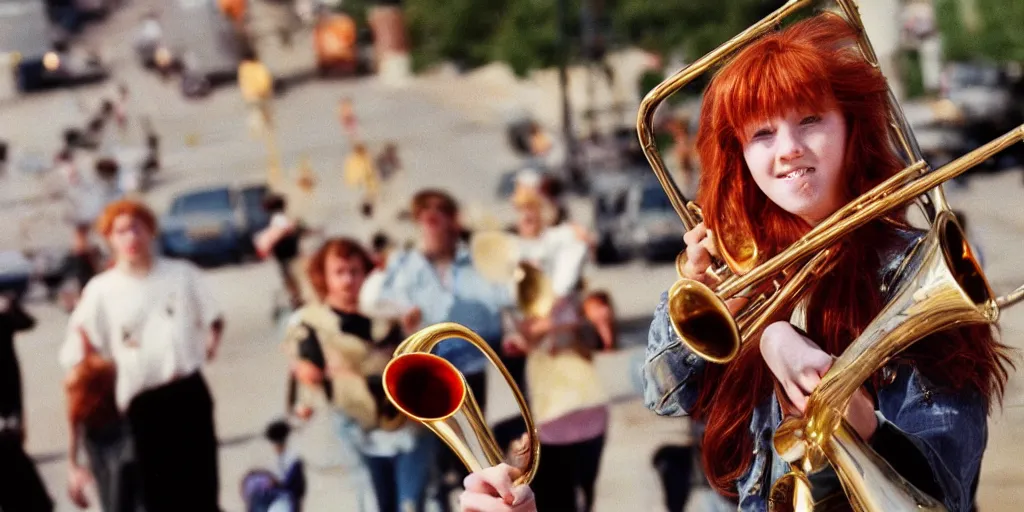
(882, 22)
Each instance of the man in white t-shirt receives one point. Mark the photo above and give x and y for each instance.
(159, 323)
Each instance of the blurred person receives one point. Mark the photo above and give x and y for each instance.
(566, 397)
(563, 227)
(436, 282)
(539, 143)
(280, 239)
(4, 157)
(157, 320)
(282, 490)
(388, 162)
(381, 250)
(83, 262)
(121, 107)
(21, 488)
(96, 425)
(148, 35)
(333, 350)
(599, 311)
(361, 175)
(348, 119)
(257, 87)
(64, 164)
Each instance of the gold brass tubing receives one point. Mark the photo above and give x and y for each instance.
(1010, 298)
(794, 288)
(481, 449)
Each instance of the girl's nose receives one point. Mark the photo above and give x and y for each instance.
(790, 146)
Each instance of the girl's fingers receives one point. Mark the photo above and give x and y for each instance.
(477, 502)
(710, 244)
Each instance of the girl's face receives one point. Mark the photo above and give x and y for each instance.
(797, 160)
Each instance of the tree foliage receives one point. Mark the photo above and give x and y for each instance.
(525, 33)
(992, 30)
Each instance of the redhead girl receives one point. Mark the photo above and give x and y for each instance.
(792, 129)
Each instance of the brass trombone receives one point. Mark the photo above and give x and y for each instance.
(428, 389)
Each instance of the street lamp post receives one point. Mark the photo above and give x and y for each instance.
(571, 165)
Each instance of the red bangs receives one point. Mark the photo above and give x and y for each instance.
(769, 83)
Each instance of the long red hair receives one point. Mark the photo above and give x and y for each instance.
(813, 64)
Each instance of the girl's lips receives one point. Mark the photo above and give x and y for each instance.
(797, 173)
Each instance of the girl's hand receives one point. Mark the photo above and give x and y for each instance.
(491, 490)
(798, 365)
(700, 248)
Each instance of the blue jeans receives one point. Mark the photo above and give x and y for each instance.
(351, 459)
(400, 481)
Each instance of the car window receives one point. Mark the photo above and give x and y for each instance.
(206, 201)
(653, 198)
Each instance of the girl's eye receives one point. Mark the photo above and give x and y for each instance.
(811, 120)
(764, 132)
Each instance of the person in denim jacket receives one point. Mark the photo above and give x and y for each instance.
(793, 128)
(437, 282)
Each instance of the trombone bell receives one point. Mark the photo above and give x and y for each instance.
(430, 390)
(703, 321)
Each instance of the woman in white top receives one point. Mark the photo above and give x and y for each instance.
(566, 397)
(158, 322)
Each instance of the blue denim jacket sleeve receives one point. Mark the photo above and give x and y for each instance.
(932, 438)
(670, 371)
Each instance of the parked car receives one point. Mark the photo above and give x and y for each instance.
(978, 102)
(37, 54)
(634, 218)
(214, 225)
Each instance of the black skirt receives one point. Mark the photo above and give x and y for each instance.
(176, 446)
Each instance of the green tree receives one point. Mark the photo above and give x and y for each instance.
(457, 30)
(525, 33)
(997, 35)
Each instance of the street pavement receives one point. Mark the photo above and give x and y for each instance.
(453, 145)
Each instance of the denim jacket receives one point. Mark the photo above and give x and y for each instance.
(932, 438)
(462, 296)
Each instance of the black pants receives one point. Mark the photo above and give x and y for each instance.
(513, 428)
(450, 471)
(21, 489)
(176, 446)
(566, 470)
